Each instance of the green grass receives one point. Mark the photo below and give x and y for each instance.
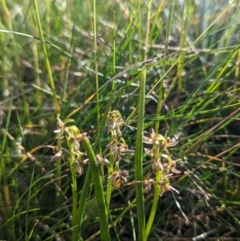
(86, 153)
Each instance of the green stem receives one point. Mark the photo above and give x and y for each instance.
(74, 191)
(51, 82)
(109, 184)
(103, 219)
(96, 62)
(157, 190)
(82, 201)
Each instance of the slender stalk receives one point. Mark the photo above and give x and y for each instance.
(114, 52)
(183, 36)
(157, 189)
(111, 166)
(139, 145)
(109, 183)
(74, 190)
(36, 66)
(83, 199)
(96, 62)
(158, 176)
(164, 71)
(103, 219)
(71, 35)
(47, 63)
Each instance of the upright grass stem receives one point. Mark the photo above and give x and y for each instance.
(183, 36)
(74, 190)
(82, 201)
(103, 219)
(96, 62)
(158, 176)
(139, 144)
(109, 183)
(47, 63)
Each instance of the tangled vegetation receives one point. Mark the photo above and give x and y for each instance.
(119, 120)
